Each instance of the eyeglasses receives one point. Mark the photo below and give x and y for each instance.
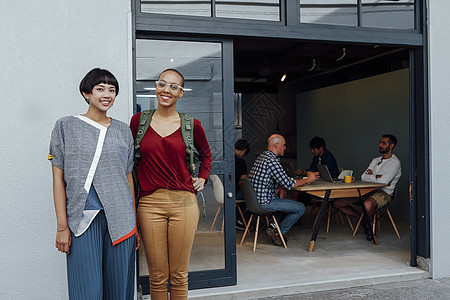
(173, 87)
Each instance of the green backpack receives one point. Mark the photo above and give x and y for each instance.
(187, 132)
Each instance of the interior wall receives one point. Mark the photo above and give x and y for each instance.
(46, 48)
(352, 117)
(264, 114)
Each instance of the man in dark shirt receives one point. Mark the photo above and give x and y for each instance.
(241, 149)
(321, 157)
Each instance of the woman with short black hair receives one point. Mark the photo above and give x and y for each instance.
(92, 163)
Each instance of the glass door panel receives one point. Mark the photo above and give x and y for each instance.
(201, 63)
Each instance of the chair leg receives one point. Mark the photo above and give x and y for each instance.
(357, 225)
(279, 231)
(379, 221)
(246, 229)
(315, 220)
(393, 223)
(256, 234)
(215, 218)
(342, 219)
(328, 221)
(267, 221)
(242, 215)
(223, 221)
(374, 222)
(350, 222)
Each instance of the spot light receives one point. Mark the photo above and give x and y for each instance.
(283, 78)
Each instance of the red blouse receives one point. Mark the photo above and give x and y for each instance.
(163, 164)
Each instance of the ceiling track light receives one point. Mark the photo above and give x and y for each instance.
(283, 78)
(313, 65)
(344, 53)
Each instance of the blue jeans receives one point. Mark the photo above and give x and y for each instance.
(293, 209)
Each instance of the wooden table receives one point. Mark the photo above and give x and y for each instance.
(327, 190)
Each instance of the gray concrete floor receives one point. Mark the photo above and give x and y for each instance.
(338, 261)
(425, 289)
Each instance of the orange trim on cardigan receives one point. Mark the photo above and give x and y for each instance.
(125, 236)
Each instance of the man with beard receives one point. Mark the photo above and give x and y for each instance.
(385, 169)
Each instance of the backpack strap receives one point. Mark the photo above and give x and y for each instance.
(187, 131)
(144, 123)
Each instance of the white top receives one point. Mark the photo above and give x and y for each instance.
(390, 170)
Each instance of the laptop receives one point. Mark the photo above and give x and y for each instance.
(287, 167)
(325, 174)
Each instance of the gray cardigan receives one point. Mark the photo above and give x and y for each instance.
(90, 153)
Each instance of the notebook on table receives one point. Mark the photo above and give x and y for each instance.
(325, 174)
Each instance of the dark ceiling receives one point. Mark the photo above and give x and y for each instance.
(260, 63)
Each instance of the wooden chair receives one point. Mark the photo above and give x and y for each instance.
(330, 211)
(256, 209)
(219, 196)
(240, 210)
(379, 213)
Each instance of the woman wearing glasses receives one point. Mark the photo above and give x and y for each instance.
(168, 212)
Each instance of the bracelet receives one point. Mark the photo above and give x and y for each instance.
(59, 230)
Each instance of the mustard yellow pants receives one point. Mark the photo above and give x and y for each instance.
(167, 221)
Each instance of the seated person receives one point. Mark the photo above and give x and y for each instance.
(268, 178)
(241, 149)
(321, 157)
(384, 169)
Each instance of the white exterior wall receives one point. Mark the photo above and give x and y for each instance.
(46, 47)
(439, 72)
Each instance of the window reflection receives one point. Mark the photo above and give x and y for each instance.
(388, 14)
(397, 14)
(201, 65)
(208, 251)
(338, 12)
(177, 7)
(267, 10)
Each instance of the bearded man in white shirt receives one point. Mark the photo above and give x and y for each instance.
(385, 169)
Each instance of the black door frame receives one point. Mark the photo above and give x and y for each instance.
(289, 27)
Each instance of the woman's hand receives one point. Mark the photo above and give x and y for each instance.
(198, 183)
(138, 240)
(63, 240)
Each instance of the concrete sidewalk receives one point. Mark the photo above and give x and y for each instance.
(432, 289)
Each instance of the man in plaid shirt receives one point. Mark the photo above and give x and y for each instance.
(268, 178)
